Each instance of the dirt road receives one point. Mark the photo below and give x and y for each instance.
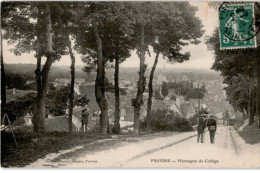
(174, 150)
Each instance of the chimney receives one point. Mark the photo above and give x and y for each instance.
(178, 102)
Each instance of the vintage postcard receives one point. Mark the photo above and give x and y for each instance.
(130, 84)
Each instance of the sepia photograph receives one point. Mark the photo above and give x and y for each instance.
(130, 84)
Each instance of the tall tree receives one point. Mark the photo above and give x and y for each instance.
(141, 82)
(143, 13)
(27, 36)
(88, 42)
(117, 47)
(100, 81)
(103, 37)
(39, 116)
(255, 55)
(238, 67)
(171, 29)
(72, 83)
(64, 12)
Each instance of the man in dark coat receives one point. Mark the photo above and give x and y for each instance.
(200, 129)
(212, 126)
(84, 119)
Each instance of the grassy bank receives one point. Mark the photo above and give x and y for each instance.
(32, 147)
(251, 134)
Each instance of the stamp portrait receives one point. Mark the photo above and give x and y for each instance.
(237, 26)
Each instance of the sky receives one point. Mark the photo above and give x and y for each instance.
(201, 57)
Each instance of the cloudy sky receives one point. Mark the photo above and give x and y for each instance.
(200, 56)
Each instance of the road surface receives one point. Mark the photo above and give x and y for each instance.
(179, 150)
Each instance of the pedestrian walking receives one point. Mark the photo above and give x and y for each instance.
(200, 129)
(212, 126)
(84, 119)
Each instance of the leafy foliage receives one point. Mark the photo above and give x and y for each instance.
(173, 25)
(226, 114)
(187, 90)
(20, 28)
(236, 66)
(157, 95)
(15, 81)
(20, 107)
(164, 89)
(57, 101)
(163, 120)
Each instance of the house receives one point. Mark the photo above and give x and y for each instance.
(185, 109)
(160, 79)
(175, 108)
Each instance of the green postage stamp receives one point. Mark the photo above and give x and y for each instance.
(237, 26)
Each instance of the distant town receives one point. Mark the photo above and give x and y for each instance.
(174, 90)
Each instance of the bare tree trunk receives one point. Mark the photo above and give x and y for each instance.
(72, 72)
(141, 83)
(38, 53)
(39, 122)
(3, 81)
(100, 82)
(72, 83)
(116, 128)
(38, 78)
(150, 96)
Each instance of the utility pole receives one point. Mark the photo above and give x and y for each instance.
(199, 97)
(213, 108)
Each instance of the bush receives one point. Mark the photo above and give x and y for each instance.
(18, 108)
(19, 121)
(194, 119)
(163, 120)
(157, 95)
